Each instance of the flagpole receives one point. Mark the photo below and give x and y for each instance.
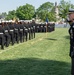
(46, 25)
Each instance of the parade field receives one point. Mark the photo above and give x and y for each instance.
(47, 54)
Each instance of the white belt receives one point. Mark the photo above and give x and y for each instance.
(21, 29)
(41, 26)
(38, 27)
(33, 26)
(26, 29)
(6, 30)
(29, 28)
(1, 33)
(16, 29)
(11, 30)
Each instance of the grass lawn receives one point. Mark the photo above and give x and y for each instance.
(47, 54)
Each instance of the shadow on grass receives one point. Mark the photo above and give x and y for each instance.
(67, 37)
(51, 39)
(34, 66)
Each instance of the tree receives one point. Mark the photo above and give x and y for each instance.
(25, 12)
(11, 15)
(51, 16)
(64, 8)
(45, 10)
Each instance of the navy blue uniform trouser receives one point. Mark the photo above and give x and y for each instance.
(72, 68)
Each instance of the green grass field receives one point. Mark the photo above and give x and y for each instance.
(47, 54)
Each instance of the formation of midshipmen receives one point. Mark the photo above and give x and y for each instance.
(15, 32)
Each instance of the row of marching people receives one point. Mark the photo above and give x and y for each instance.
(15, 33)
(45, 27)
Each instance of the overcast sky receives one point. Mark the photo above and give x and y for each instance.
(8, 5)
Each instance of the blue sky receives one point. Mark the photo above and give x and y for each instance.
(8, 5)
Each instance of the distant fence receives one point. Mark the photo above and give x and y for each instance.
(62, 26)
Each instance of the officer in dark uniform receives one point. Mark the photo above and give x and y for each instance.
(16, 32)
(71, 32)
(11, 32)
(21, 31)
(6, 34)
(29, 30)
(34, 27)
(26, 30)
(2, 41)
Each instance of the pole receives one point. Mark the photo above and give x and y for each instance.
(46, 25)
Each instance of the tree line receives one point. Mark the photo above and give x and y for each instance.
(46, 10)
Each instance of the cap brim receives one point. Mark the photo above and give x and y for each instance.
(71, 10)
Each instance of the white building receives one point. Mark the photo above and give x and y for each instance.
(56, 11)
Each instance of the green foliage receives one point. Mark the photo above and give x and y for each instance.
(45, 10)
(51, 16)
(45, 7)
(25, 12)
(64, 8)
(11, 15)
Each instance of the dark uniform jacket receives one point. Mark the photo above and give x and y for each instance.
(71, 32)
